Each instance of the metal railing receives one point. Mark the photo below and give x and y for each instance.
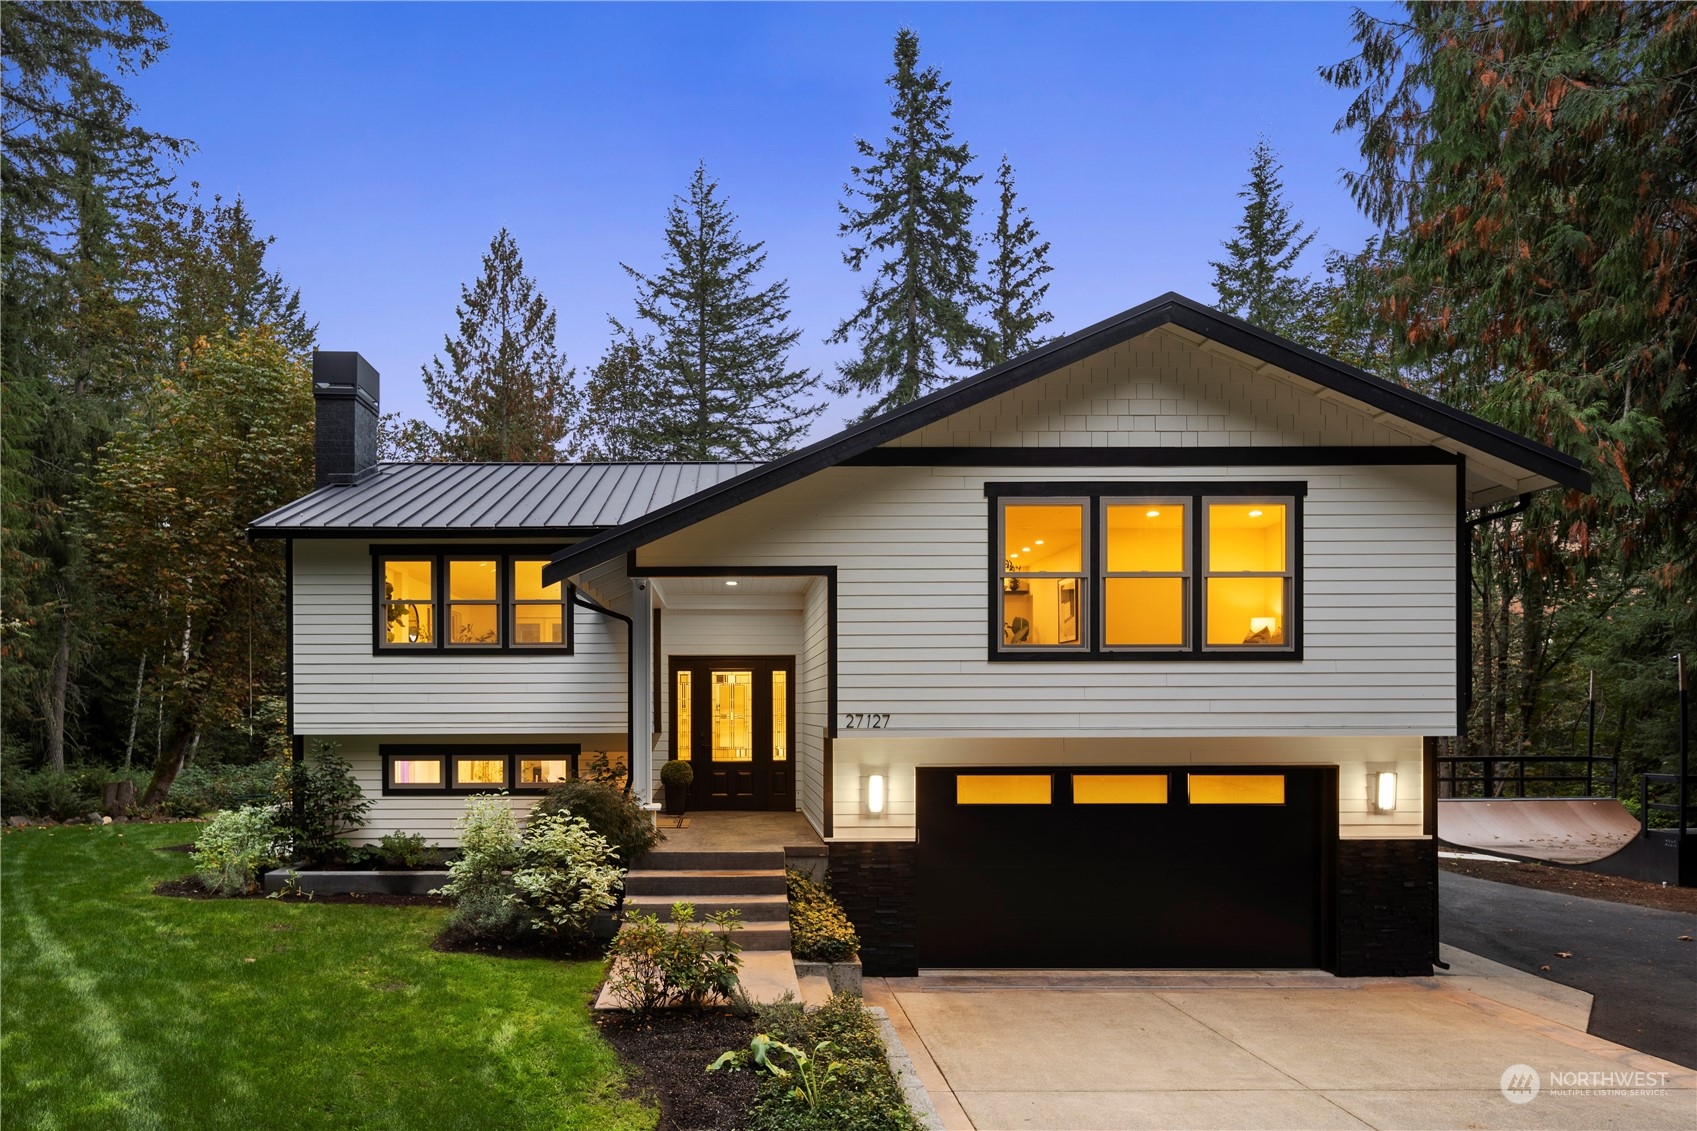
(1507, 775)
(1670, 784)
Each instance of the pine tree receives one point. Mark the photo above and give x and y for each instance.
(616, 407)
(909, 211)
(505, 394)
(1015, 288)
(712, 380)
(1255, 281)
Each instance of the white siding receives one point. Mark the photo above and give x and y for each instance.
(342, 688)
(855, 758)
(813, 700)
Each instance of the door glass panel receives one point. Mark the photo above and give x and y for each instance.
(780, 716)
(681, 707)
(733, 716)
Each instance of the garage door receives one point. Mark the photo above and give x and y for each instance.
(1144, 867)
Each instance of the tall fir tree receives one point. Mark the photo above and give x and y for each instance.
(1256, 280)
(711, 378)
(1014, 289)
(505, 394)
(908, 215)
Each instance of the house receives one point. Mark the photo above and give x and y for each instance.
(1130, 652)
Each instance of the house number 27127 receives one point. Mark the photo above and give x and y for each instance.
(865, 722)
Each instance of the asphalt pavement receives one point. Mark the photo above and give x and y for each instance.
(1630, 959)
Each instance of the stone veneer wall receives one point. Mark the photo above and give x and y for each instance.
(1386, 907)
(877, 882)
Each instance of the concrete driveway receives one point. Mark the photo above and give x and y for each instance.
(1082, 1051)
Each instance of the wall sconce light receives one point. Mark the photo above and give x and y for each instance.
(1384, 791)
(875, 794)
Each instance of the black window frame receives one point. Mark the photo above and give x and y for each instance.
(1195, 495)
(447, 752)
(505, 603)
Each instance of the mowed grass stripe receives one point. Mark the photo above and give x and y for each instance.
(126, 1009)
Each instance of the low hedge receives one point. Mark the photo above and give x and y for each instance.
(820, 930)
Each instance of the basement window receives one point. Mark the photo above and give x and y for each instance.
(465, 768)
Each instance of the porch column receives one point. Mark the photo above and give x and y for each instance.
(641, 687)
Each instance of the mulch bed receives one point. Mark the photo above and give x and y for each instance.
(669, 1054)
(1570, 881)
(189, 887)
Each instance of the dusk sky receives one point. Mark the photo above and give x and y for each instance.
(384, 144)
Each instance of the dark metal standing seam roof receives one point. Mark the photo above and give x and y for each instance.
(449, 499)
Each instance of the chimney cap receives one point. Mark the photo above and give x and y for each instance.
(344, 373)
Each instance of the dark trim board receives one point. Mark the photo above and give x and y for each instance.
(1169, 309)
(1153, 457)
(554, 533)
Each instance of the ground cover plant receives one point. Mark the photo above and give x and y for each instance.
(123, 1009)
(824, 1070)
(820, 930)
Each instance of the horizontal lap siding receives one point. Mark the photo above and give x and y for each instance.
(342, 688)
(813, 697)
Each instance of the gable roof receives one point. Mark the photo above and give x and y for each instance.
(1543, 463)
(508, 499)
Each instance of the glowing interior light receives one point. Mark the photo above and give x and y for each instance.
(731, 583)
(875, 793)
(1257, 624)
(1039, 542)
(1152, 514)
(1025, 549)
(1254, 514)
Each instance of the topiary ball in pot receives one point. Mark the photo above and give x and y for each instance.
(677, 776)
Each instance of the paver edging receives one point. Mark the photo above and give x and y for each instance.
(907, 1078)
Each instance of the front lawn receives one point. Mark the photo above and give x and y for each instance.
(125, 1009)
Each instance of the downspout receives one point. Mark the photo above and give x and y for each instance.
(581, 601)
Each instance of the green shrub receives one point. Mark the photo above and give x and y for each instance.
(677, 774)
(617, 818)
(654, 964)
(862, 1095)
(324, 802)
(44, 794)
(208, 789)
(234, 847)
(401, 850)
(566, 873)
(477, 879)
(820, 930)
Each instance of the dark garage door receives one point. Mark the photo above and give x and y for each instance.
(1142, 866)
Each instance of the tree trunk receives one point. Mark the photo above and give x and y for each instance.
(57, 692)
(169, 765)
(135, 713)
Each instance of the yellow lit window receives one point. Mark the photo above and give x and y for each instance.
(780, 716)
(1003, 789)
(535, 772)
(539, 611)
(1237, 789)
(474, 616)
(409, 602)
(682, 708)
(1146, 559)
(1119, 789)
(1042, 582)
(1248, 584)
(733, 716)
(416, 773)
(473, 772)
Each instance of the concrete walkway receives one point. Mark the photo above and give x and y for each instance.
(1266, 1050)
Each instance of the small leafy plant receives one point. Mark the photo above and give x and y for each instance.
(325, 801)
(609, 812)
(820, 930)
(566, 873)
(403, 850)
(812, 1075)
(478, 881)
(235, 846)
(683, 964)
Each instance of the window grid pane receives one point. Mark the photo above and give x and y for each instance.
(1145, 570)
(408, 605)
(1247, 587)
(539, 611)
(1043, 579)
(476, 770)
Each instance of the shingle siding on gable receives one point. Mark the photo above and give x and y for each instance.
(1158, 391)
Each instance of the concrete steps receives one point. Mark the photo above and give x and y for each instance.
(754, 908)
(749, 882)
(687, 884)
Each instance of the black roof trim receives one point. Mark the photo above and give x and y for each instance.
(1169, 309)
(414, 533)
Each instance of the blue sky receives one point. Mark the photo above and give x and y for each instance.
(384, 144)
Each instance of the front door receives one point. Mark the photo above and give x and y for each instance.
(733, 718)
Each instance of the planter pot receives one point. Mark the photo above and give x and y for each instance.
(839, 975)
(677, 800)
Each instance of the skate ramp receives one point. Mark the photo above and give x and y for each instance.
(1557, 830)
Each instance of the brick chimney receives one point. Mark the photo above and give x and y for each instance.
(344, 387)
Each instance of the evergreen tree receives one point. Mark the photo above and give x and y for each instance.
(505, 394)
(908, 215)
(1255, 280)
(616, 408)
(1015, 288)
(712, 381)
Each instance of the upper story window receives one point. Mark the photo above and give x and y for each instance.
(471, 601)
(1165, 571)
